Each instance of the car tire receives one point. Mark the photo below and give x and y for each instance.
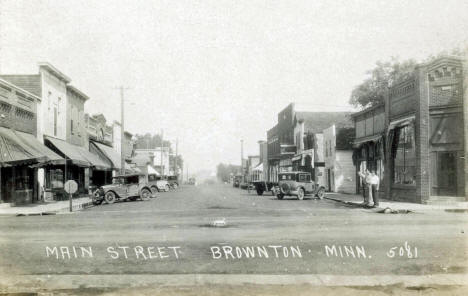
(175, 185)
(321, 193)
(166, 188)
(279, 196)
(300, 194)
(154, 191)
(145, 194)
(259, 191)
(109, 197)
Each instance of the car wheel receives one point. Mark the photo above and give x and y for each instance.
(259, 191)
(145, 194)
(166, 188)
(279, 196)
(110, 197)
(154, 191)
(175, 185)
(321, 193)
(300, 194)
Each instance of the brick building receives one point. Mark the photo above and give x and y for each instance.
(426, 141)
(21, 154)
(417, 140)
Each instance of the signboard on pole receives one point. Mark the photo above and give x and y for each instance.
(70, 187)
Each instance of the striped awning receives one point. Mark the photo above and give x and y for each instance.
(18, 148)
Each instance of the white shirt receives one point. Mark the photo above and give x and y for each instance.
(374, 180)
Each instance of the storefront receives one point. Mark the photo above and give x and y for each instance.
(21, 155)
(79, 165)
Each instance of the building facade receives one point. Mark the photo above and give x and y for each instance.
(369, 144)
(426, 134)
(340, 175)
(416, 140)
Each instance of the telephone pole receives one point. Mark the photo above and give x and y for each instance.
(176, 170)
(162, 147)
(122, 129)
(242, 159)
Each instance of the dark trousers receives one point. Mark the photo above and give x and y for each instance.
(375, 195)
(364, 188)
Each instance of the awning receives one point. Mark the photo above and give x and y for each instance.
(113, 155)
(373, 138)
(401, 122)
(259, 167)
(79, 155)
(21, 148)
(33, 142)
(151, 170)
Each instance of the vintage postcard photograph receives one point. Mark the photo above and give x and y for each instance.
(232, 147)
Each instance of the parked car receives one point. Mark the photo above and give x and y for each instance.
(123, 187)
(192, 181)
(173, 181)
(237, 181)
(157, 183)
(298, 184)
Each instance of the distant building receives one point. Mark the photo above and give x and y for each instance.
(340, 174)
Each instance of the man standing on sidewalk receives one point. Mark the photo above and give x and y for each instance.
(365, 178)
(374, 187)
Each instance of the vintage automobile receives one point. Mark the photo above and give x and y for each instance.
(158, 183)
(173, 181)
(298, 184)
(123, 187)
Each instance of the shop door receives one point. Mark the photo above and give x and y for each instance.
(329, 179)
(446, 175)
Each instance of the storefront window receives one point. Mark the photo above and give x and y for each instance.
(23, 179)
(56, 178)
(405, 156)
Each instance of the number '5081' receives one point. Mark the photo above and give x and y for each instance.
(404, 251)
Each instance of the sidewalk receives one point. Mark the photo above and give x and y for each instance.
(45, 208)
(353, 199)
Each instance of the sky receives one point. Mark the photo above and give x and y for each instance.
(211, 73)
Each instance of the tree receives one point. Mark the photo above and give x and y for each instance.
(149, 141)
(224, 171)
(371, 92)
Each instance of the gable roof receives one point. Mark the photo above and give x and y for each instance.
(316, 122)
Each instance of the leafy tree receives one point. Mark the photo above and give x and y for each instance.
(224, 171)
(371, 91)
(149, 141)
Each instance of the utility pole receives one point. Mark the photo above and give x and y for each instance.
(162, 147)
(176, 171)
(122, 129)
(242, 159)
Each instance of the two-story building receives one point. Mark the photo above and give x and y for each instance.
(426, 134)
(60, 126)
(416, 140)
(309, 141)
(273, 154)
(340, 175)
(369, 143)
(21, 153)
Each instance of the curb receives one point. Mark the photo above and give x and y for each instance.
(374, 210)
(63, 210)
(34, 283)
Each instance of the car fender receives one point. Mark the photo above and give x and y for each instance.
(144, 187)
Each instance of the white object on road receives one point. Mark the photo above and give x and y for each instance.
(219, 223)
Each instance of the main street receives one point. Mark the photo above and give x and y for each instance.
(173, 234)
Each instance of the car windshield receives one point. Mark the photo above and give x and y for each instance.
(286, 177)
(131, 180)
(304, 178)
